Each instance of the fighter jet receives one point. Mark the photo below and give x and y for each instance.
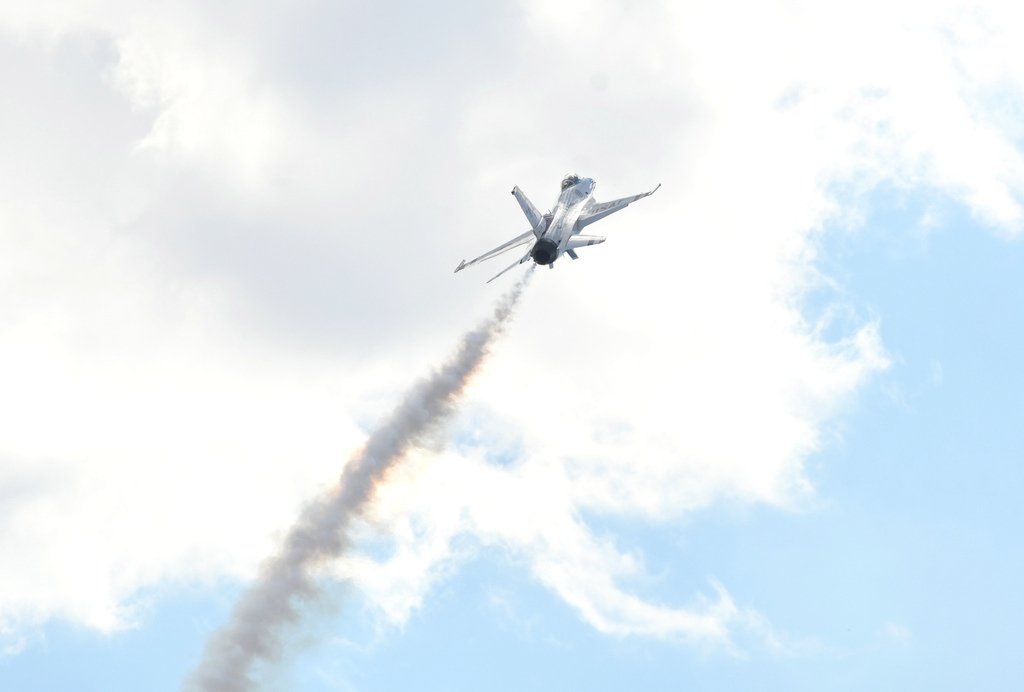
(558, 232)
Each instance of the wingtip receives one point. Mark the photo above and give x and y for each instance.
(655, 188)
(462, 265)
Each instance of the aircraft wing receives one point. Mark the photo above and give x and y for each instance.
(511, 266)
(527, 237)
(603, 209)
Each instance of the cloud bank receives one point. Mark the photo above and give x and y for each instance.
(227, 242)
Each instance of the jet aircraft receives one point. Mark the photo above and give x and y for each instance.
(558, 232)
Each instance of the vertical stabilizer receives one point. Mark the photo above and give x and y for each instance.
(532, 215)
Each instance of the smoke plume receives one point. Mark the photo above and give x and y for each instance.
(287, 580)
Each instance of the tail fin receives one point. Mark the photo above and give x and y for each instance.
(532, 215)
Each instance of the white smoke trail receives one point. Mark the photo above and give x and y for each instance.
(254, 632)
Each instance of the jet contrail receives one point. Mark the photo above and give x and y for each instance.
(255, 630)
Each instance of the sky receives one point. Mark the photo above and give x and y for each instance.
(766, 437)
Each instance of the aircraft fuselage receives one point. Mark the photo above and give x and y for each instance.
(570, 205)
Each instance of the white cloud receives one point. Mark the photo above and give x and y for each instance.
(897, 633)
(229, 244)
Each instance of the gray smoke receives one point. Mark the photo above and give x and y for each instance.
(255, 631)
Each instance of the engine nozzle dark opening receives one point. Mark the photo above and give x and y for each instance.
(545, 251)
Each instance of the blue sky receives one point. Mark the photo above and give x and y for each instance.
(787, 398)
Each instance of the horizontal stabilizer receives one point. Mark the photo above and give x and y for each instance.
(583, 241)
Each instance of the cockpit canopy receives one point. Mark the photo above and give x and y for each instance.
(569, 180)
